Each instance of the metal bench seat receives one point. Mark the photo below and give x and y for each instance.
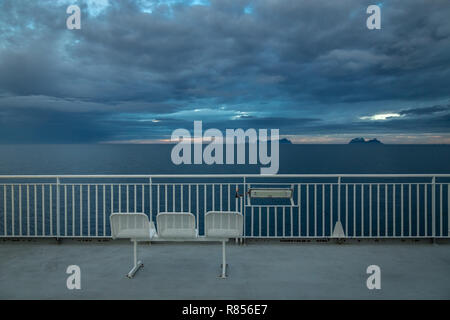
(176, 226)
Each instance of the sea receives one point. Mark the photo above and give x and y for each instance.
(156, 159)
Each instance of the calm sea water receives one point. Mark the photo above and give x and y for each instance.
(155, 159)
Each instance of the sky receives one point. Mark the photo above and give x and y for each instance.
(138, 69)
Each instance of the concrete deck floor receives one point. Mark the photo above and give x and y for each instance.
(258, 270)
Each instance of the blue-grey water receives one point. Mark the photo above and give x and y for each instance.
(377, 210)
(155, 159)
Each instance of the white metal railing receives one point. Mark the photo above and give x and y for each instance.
(366, 205)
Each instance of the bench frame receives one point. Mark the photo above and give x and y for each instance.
(154, 237)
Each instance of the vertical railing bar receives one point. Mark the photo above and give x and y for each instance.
(128, 197)
(433, 207)
(252, 213)
(58, 207)
(89, 209)
(268, 222)
(362, 209)
(354, 210)
(425, 205)
(213, 196)
(158, 200)
(111, 190)
(236, 197)
(35, 210)
(394, 233)
(378, 210)
(65, 210)
(299, 188)
(441, 233)
(5, 221)
(28, 209)
(418, 210)
(331, 209)
(166, 197)
(259, 222)
(150, 197)
(339, 200)
(81, 210)
(12, 211)
(243, 202)
(96, 210)
(182, 200)
(43, 209)
(448, 209)
(189, 195)
(323, 209)
(104, 209)
(402, 209)
(120, 197)
(229, 197)
(197, 205)
(73, 210)
(386, 210)
(370, 210)
(275, 212)
(307, 210)
(315, 210)
(221, 197)
(292, 221)
(205, 209)
(410, 211)
(173, 196)
(135, 198)
(284, 221)
(20, 210)
(50, 202)
(346, 209)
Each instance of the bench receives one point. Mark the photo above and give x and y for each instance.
(176, 226)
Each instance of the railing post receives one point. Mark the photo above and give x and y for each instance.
(433, 206)
(243, 206)
(339, 199)
(58, 207)
(150, 196)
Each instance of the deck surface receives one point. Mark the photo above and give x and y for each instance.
(258, 270)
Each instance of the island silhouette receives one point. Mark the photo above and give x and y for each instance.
(361, 140)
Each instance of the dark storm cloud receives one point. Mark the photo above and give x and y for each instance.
(32, 125)
(301, 66)
(425, 111)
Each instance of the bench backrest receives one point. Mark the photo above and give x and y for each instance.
(176, 225)
(130, 225)
(227, 224)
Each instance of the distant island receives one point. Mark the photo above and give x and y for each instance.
(364, 141)
(285, 141)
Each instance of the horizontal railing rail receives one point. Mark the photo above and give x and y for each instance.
(322, 205)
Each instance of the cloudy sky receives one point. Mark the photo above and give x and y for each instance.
(138, 69)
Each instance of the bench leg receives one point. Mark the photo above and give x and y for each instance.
(137, 264)
(224, 262)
